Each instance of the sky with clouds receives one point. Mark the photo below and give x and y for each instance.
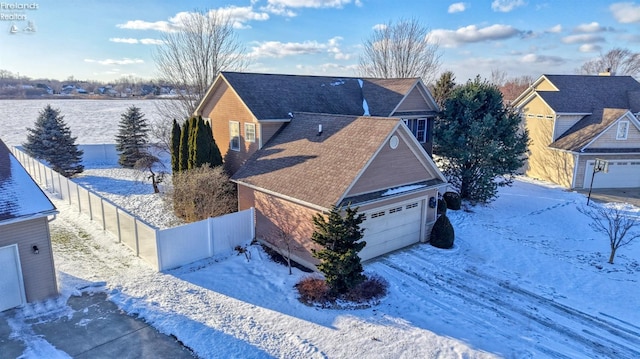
(106, 40)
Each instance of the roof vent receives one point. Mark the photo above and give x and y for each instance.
(320, 130)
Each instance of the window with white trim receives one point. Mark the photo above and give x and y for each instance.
(623, 130)
(234, 135)
(417, 126)
(250, 132)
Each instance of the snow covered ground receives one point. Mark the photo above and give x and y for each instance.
(527, 278)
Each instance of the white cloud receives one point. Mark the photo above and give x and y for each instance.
(471, 33)
(283, 7)
(279, 49)
(457, 7)
(506, 5)
(625, 12)
(379, 27)
(238, 15)
(136, 41)
(124, 61)
(591, 27)
(555, 29)
(590, 48)
(542, 59)
(582, 38)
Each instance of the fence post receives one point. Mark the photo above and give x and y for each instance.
(78, 197)
(159, 250)
(253, 223)
(118, 224)
(210, 229)
(90, 208)
(135, 235)
(68, 191)
(104, 220)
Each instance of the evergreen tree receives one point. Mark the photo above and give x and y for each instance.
(175, 147)
(131, 140)
(184, 146)
(201, 144)
(339, 236)
(479, 141)
(192, 148)
(443, 87)
(215, 157)
(50, 140)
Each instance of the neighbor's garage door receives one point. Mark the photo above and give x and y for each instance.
(391, 228)
(11, 285)
(622, 173)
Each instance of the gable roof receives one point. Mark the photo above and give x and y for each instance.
(587, 129)
(20, 196)
(317, 170)
(587, 94)
(274, 96)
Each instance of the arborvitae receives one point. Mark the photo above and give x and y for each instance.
(201, 143)
(184, 147)
(215, 157)
(339, 260)
(442, 233)
(50, 140)
(175, 147)
(131, 141)
(192, 148)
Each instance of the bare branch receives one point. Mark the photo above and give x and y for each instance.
(619, 61)
(613, 222)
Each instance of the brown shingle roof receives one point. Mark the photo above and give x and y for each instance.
(273, 96)
(316, 169)
(585, 130)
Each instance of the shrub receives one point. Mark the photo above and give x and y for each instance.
(442, 206)
(453, 200)
(313, 290)
(373, 287)
(203, 192)
(442, 234)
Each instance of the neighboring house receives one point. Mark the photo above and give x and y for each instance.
(372, 163)
(574, 120)
(26, 258)
(247, 109)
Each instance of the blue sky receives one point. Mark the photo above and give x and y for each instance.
(106, 40)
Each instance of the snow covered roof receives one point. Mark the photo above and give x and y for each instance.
(20, 196)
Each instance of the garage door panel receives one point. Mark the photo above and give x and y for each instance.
(621, 174)
(11, 284)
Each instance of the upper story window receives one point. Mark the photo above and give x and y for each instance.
(250, 132)
(417, 126)
(234, 135)
(623, 130)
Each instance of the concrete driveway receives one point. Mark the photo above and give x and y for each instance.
(95, 329)
(622, 195)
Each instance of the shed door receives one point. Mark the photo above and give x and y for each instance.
(622, 174)
(11, 285)
(392, 227)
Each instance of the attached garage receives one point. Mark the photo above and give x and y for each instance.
(392, 227)
(11, 282)
(621, 174)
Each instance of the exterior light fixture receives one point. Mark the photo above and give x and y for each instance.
(432, 202)
(36, 250)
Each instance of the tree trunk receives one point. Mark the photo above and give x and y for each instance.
(613, 254)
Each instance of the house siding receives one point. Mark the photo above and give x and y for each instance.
(565, 122)
(391, 168)
(584, 159)
(269, 129)
(38, 270)
(545, 85)
(224, 106)
(545, 163)
(414, 101)
(608, 138)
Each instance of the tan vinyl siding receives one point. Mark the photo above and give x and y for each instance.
(545, 163)
(608, 138)
(414, 101)
(391, 168)
(37, 269)
(582, 164)
(565, 122)
(545, 85)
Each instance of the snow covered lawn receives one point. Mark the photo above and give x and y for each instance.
(527, 278)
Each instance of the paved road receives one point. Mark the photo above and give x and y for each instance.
(622, 195)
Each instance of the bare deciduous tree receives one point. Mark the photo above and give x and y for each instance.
(153, 165)
(400, 50)
(613, 222)
(202, 44)
(618, 61)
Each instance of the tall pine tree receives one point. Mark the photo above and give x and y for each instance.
(50, 140)
(339, 260)
(215, 157)
(175, 147)
(131, 141)
(184, 146)
(479, 142)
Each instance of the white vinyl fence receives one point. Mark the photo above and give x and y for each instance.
(161, 248)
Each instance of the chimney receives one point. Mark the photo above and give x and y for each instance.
(320, 130)
(607, 72)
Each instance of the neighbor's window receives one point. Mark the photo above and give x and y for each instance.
(623, 130)
(250, 132)
(417, 126)
(234, 135)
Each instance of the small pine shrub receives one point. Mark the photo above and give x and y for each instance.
(452, 200)
(442, 207)
(442, 234)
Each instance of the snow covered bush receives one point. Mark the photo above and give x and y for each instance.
(203, 192)
(50, 140)
(442, 234)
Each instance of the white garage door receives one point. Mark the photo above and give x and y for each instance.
(622, 174)
(11, 285)
(391, 228)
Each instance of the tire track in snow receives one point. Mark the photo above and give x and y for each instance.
(489, 294)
